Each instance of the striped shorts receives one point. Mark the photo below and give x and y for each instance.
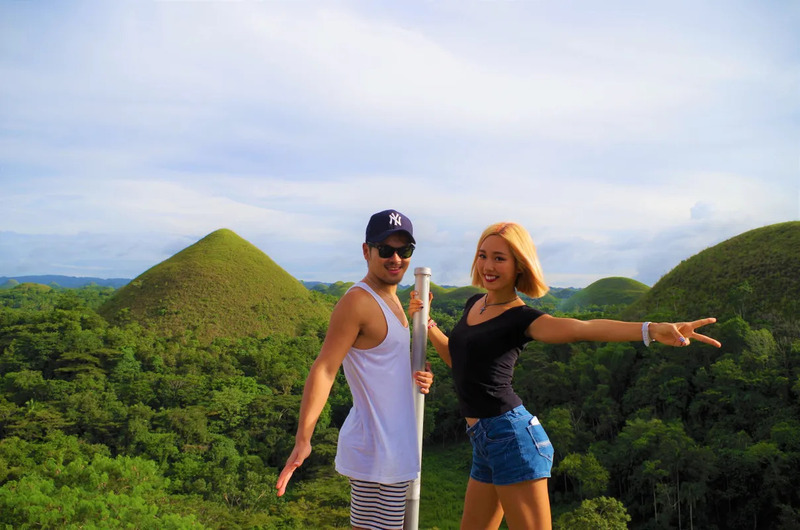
(377, 506)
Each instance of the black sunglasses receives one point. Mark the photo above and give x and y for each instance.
(387, 251)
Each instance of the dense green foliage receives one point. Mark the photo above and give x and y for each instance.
(119, 425)
(220, 287)
(696, 436)
(34, 296)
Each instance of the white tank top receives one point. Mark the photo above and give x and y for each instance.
(378, 440)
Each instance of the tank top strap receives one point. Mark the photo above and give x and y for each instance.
(387, 311)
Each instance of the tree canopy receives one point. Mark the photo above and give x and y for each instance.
(114, 424)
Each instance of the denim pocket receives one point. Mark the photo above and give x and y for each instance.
(540, 439)
(500, 430)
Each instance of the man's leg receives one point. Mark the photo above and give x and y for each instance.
(374, 505)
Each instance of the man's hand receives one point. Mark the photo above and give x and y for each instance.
(295, 460)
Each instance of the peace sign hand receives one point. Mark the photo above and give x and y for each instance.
(681, 333)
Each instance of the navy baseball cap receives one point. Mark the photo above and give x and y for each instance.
(383, 224)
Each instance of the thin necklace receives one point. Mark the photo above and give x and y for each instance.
(485, 305)
(394, 299)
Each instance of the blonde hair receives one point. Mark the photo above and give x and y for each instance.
(530, 279)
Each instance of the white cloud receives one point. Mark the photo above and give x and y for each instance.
(187, 65)
(622, 138)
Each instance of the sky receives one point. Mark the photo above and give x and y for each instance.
(625, 136)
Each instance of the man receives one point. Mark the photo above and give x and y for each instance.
(369, 336)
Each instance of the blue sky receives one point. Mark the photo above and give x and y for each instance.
(626, 136)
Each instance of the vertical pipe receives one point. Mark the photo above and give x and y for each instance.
(419, 344)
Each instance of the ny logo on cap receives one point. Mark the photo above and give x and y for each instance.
(394, 219)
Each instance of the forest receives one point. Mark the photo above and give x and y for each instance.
(114, 425)
(105, 426)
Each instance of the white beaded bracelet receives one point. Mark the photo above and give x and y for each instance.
(646, 334)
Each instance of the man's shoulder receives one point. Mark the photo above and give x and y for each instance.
(355, 297)
(357, 306)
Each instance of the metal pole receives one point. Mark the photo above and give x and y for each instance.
(419, 344)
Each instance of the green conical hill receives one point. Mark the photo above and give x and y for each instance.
(446, 299)
(454, 294)
(336, 289)
(221, 286)
(453, 299)
(30, 286)
(547, 299)
(605, 292)
(755, 275)
(10, 283)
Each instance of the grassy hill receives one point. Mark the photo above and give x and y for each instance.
(452, 299)
(336, 289)
(221, 286)
(447, 299)
(755, 275)
(33, 287)
(605, 292)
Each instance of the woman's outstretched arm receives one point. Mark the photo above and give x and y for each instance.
(556, 330)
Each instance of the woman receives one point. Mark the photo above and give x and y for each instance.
(512, 455)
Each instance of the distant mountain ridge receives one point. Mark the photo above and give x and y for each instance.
(69, 282)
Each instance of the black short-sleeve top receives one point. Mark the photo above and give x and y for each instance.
(483, 357)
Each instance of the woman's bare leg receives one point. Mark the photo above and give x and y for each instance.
(526, 505)
(482, 510)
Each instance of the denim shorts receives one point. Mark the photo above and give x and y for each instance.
(510, 448)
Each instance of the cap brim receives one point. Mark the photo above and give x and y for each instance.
(383, 235)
